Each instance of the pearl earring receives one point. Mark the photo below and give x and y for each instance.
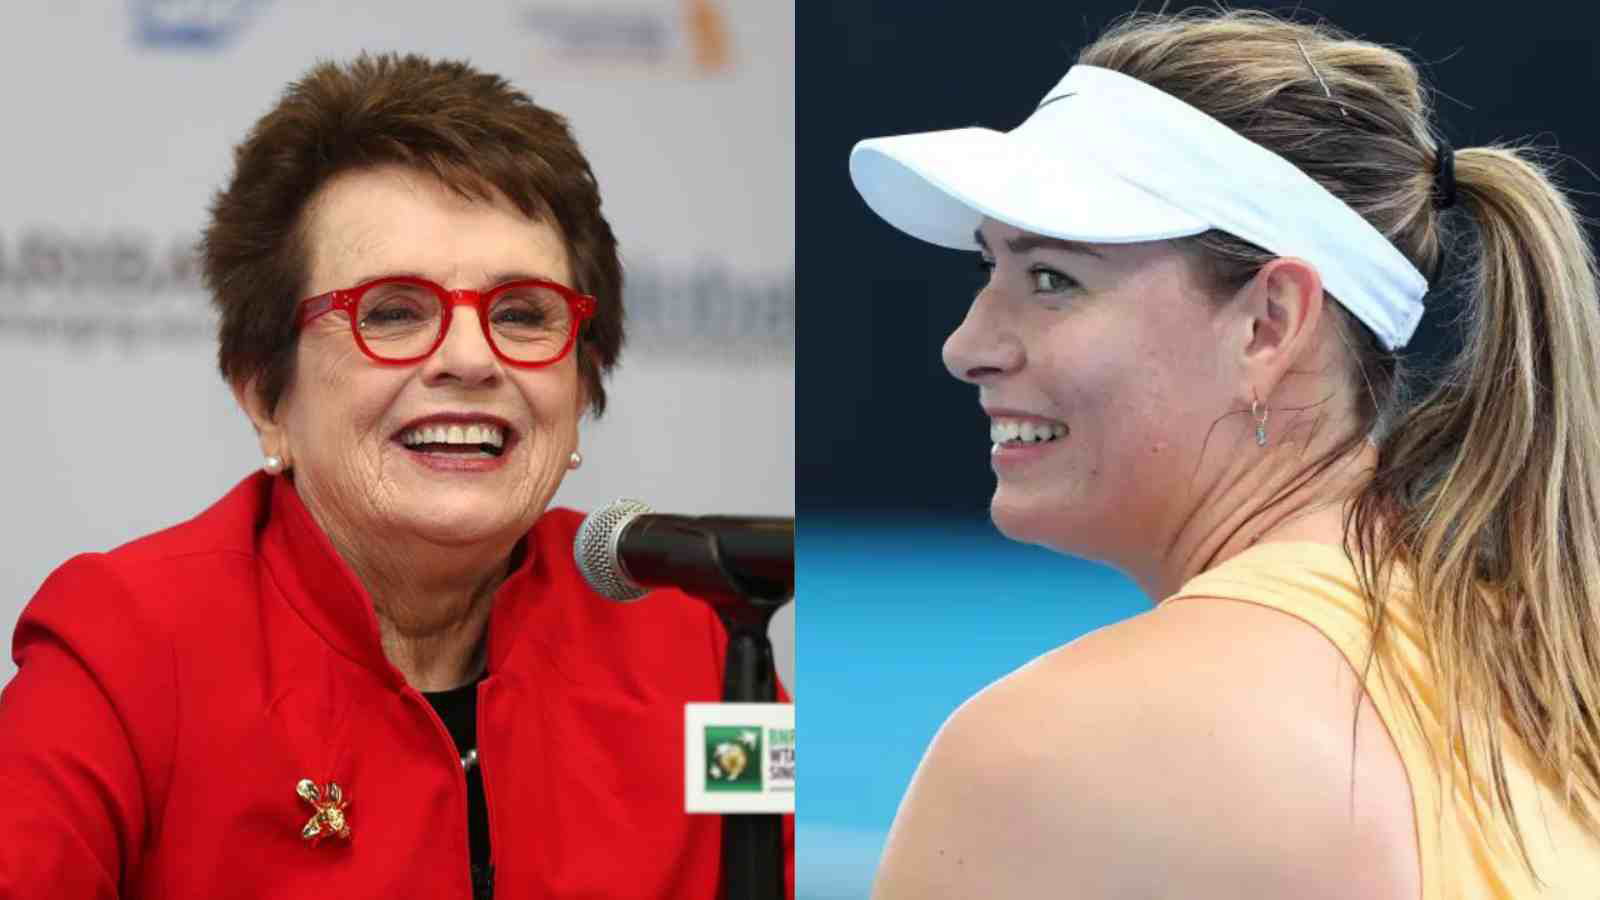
(273, 465)
(575, 460)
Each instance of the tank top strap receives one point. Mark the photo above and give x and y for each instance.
(1318, 584)
(1311, 581)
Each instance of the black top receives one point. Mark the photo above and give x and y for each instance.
(458, 708)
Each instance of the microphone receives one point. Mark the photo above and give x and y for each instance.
(626, 549)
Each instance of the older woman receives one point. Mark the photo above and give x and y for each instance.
(372, 669)
(1204, 247)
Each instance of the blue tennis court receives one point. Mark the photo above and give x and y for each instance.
(900, 621)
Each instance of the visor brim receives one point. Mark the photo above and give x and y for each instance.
(938, 187)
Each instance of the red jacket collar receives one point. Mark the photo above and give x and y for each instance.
(325, 591)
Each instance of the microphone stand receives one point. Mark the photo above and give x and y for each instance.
(752, 843)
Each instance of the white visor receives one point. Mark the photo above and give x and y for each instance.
(1109, 159)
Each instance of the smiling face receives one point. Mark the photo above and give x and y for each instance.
(345, 422)
(1099, 366)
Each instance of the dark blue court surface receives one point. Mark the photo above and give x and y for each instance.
(899, 622)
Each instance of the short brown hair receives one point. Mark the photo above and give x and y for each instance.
(472, 131)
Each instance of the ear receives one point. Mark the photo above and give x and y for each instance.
(1281, 309)
(269, 432)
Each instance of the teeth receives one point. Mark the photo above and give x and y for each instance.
(1024, 431)
(476, 433)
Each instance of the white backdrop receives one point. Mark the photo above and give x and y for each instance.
(119, 119)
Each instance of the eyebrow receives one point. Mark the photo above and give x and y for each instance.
(1027, 242)
(501, 278)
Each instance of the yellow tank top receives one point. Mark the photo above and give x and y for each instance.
(1460, 859)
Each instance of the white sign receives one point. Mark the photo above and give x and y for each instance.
(738, 757)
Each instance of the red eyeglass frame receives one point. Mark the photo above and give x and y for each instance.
(348, 300)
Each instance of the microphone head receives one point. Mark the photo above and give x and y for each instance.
(595, 549)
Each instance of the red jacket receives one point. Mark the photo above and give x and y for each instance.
(171, 694)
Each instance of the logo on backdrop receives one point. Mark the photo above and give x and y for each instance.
(202, 24)
(707, 307)
(690, 35)
(132, 288)
(142, 291)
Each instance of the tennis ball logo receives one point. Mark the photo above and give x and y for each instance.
(732, 758)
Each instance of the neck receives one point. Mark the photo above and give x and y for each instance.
(433, 632)
(1272, 501)
(432, 601)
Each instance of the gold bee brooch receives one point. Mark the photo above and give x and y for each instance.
(329, 805)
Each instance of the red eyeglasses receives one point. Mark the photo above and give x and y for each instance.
(401, 319)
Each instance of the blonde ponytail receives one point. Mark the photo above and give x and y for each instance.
(1487, 490)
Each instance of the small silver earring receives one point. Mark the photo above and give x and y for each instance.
(1259, 413)
(273, 465)
(574, 461)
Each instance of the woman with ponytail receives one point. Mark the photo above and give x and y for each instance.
(1373, 665)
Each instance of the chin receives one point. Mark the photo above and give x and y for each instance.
(461, 522)
(1037, 520)
(1020, 521)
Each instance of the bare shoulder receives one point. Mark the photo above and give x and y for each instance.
(1201, 750)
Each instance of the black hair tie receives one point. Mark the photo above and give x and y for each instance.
(1444, 197)
(1444, 176)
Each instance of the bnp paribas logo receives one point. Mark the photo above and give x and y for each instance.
(733, 758)
(690, 36)
(198, 24)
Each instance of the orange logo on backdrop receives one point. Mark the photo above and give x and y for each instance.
(683, 34)
(709, 31)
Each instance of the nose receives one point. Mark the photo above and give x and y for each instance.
(464, 355)
(984, 345)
